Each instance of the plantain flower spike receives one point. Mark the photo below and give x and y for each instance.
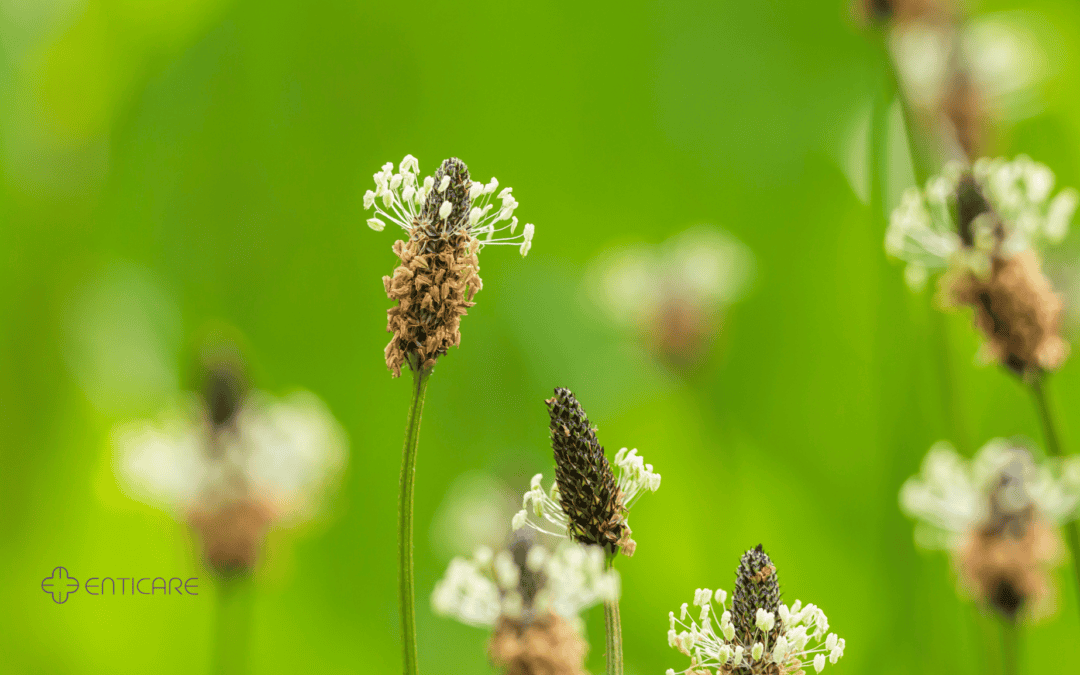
(757, 634)
(984, 227)
(532, 600)
(233, 462)
(448, 218)
(997, 515)
(588, 502)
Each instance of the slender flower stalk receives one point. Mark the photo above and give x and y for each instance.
(1053, 448)
(407, 485)
(1010, 648)
(613, 630)
(588, 503)
(448, 218)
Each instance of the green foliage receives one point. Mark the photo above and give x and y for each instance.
(217, 152)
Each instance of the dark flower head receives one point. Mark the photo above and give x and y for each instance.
(756, 588)
(588, 491)
(446, 210)
(758, 635)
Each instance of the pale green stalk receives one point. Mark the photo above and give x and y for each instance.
(232, 625)
(613, 631)
(1053, 447)
(1010, 647)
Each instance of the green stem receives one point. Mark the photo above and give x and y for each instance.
(879, 144)
(923, 164)
(1010, 647)
(406, 583)
(1053, 447)
(232, 625)
(613, 629)
(989, 638)
(950, 396)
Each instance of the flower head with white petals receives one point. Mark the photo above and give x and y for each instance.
(543, 512)
(985, 226)
(448, 218)
(997, 514)
(963, 217)
(446, 205)
(523, 583)
(745, 637)
(588, 502)
(232, 463)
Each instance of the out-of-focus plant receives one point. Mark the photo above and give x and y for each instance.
(997, 515)
(532, 600)
(232, 463)
(676, 294)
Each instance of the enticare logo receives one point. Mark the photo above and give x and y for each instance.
(61, 585)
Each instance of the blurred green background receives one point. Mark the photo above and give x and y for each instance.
(168, 165)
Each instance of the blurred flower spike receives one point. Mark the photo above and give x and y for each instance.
(674, 294)
(984, 227)
(997, 515)
(756, 634)
(448, 218)
(532, 599)
(588, 502)
(233, 462)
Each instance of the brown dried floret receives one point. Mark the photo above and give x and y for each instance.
(1008, 567)
(438, 276)
(547, 645)
(1017, 311)
(233, 534)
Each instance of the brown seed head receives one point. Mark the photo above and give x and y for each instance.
(1005, 560)
(1017, 311)
(545, 646)
(588, 492)
(1008, 569)
(232, 535)
(437, 278)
